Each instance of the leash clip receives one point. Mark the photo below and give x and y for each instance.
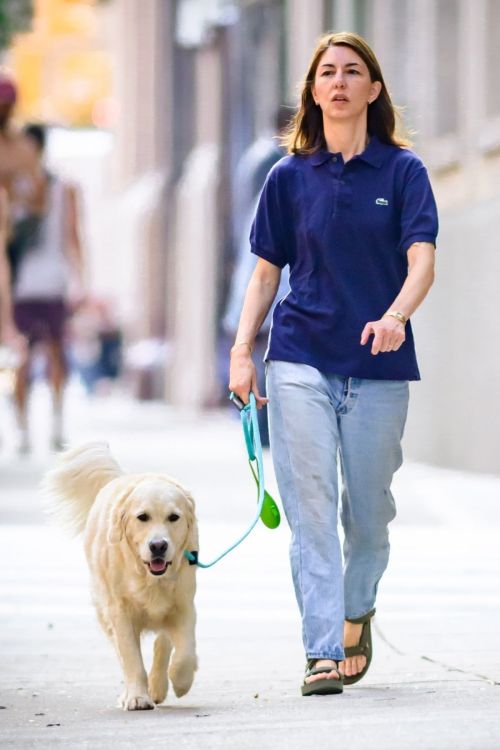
(191, 556)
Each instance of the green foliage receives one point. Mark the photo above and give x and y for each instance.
(15, 17)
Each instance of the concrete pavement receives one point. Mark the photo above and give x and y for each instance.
(435, 679)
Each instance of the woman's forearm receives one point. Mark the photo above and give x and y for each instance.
(389, 331)
(74, 245)
(419, 280)
(259, 297)
(5, 295)
(5, 298)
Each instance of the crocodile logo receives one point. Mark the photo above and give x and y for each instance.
(382, 202)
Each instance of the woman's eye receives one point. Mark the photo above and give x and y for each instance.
(143, 517)
(173, 517)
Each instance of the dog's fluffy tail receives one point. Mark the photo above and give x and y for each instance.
(70, 488)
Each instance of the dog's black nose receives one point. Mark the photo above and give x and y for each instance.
(158, 547)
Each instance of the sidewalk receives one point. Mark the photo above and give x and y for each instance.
(435, 678)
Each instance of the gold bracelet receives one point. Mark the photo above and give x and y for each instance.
(398, 315)
(241, 343)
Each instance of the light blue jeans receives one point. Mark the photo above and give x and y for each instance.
(318, 422)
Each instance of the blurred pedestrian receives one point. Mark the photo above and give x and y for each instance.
(97, 344)
(352, 213)
(18, 167)
(251, 172)
(12, 343)
(252, 169)
(15, 158)
(49, 268)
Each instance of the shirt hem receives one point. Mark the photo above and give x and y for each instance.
(267, 256)
(419, 238)
(340, 369)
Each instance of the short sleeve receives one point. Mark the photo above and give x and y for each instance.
(419, 219)
(267, 235)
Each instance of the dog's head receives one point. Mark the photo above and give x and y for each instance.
(156, 518)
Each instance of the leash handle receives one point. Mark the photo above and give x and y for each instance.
(246, 422)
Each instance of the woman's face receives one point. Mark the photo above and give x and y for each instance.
(342, 85)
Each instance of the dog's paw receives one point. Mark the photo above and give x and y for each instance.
(158, 687)
(130, 701)
(182, 675)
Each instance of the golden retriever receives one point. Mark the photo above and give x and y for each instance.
(136, 528)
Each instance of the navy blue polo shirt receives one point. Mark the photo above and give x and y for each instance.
(344, 230)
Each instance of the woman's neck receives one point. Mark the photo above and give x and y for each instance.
(348, 138)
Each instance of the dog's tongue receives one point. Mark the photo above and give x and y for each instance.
(157, 566)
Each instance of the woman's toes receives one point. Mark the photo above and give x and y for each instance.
(321, 676)
(354, 665)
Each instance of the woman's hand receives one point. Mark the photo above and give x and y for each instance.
(388, 334)
(243, 377)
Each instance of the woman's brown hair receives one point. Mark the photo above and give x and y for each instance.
(306, 135)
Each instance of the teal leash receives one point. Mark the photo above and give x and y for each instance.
(250, 425)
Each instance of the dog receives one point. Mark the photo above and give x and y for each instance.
(136, 528)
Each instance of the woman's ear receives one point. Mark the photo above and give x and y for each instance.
(375, 90)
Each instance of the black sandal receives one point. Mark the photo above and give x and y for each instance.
(327, 686)
(364, 647)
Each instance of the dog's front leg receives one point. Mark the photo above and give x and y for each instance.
(158, 677)
(127, 641)
(184, 662)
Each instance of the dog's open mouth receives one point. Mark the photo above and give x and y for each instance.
(158, 566)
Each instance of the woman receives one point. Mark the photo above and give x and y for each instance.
(351, 211)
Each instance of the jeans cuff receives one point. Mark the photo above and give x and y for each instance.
(335, 656)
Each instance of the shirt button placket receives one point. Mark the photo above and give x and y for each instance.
(336, 183)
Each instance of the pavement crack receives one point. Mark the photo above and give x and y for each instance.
(383, 638)
(448, 667)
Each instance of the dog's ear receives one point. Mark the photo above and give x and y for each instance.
(117, 517)
(192, 536)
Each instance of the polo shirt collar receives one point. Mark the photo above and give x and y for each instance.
(320, 157)
(373, 154)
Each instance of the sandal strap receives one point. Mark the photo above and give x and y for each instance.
(362, 649)
(312, 670)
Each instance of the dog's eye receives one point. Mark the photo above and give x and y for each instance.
(143, 517)
(173, 517)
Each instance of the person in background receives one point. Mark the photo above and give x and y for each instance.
(49, 269)
(15, 158)
(350, 210)
(251, 172)
(96, 345)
